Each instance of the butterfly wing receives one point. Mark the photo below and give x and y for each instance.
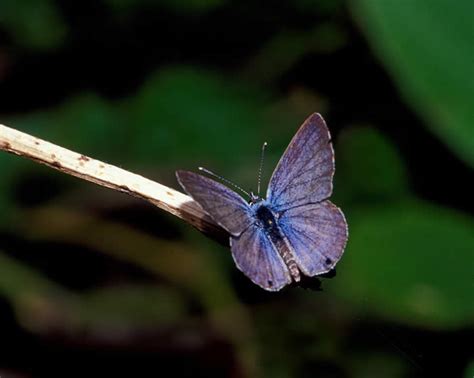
(257, 258)
(305, 171)
(318, 234)
(225, 206)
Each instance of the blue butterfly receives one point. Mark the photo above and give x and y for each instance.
(296, 230)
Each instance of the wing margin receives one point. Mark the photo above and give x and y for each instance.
(305, 171)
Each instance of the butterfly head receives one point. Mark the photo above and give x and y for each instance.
(255, 198)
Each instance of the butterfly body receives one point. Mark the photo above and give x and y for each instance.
(296, 229)
(268, 221)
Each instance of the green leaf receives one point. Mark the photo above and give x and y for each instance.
(469, 373)
(85, 123)
(427, 47)
(185, 112)
(33, 24)
(368, 167)
(412, 262)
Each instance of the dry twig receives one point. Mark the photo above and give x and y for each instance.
(86, 168)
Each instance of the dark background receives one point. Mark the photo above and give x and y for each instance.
(94, 283)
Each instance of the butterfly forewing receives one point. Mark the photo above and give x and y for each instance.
(256, 256)
(225, 206)
(305, 171)
(318, 234)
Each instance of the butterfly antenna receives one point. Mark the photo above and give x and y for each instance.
(224, 180)
(260, 168)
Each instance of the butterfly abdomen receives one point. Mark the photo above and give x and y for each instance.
(272, 230)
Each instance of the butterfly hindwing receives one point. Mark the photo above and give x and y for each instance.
(318, 234)
(225, 206)
(305, 171)
(257, 258)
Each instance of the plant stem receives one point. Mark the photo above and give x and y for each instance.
(100, 173)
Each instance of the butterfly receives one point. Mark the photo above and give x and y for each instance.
(295, 230)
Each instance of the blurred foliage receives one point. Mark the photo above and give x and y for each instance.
(369, 177)
(203, 108)
(192, 269)
(34, 24)
(181, 5)
(393, 235)
(42, 304)
(379, 365)
(427, 47)
(408, 262)
(325, 38)
(90, 123)
(177, 111)
(469, 370)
